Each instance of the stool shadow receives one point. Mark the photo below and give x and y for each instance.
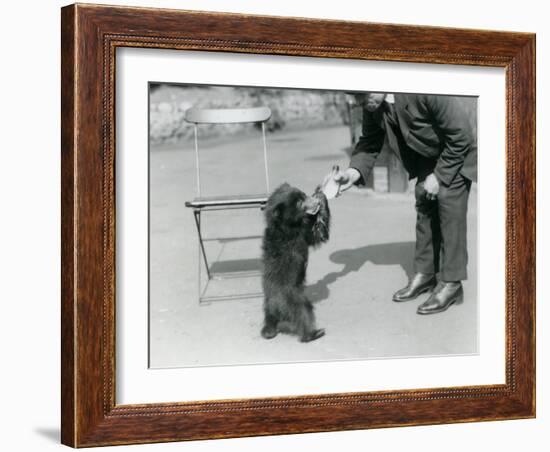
(398, 253)
(237, 265)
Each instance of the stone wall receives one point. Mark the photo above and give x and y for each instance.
(291, 109)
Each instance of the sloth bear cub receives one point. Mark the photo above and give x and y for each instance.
(294, 223)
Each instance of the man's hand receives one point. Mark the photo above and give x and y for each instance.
(431, 185)
(346, 179)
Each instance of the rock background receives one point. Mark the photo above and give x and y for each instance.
(291, 109)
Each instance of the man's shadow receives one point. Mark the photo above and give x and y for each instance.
(400, 253)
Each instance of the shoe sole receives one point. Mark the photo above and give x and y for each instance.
(423, 291)
(458, 300)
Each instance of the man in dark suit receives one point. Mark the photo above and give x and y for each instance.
(433, 137)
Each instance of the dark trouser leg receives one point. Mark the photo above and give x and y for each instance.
(453, 208)
(428, 233)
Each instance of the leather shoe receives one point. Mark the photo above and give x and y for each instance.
(445, 295)
(419, 283)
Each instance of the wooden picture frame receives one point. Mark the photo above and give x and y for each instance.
(90, 36)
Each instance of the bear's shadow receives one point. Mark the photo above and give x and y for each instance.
(399, 253)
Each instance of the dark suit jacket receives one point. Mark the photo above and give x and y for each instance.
(429, 133)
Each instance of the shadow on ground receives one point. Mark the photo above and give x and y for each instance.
(331, 157)
(400, 253)
(50, 433)
(236, 266)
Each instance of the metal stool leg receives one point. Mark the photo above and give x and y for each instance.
(197, 216)
(203, 252)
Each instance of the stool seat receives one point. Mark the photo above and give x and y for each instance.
(227, 201)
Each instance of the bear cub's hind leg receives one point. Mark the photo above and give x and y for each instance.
(306, 323)
(271, 320)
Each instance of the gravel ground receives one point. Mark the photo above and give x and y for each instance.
(351, 279)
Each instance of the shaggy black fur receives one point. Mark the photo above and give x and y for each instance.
(295, 222)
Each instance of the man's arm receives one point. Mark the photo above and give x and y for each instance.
(368, 147)
(452, 123)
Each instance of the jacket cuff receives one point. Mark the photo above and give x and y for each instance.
(444, 177)
(362, 164)
(361, 180)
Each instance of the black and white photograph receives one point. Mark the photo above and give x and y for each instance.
(265, 226)
(296, 225)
